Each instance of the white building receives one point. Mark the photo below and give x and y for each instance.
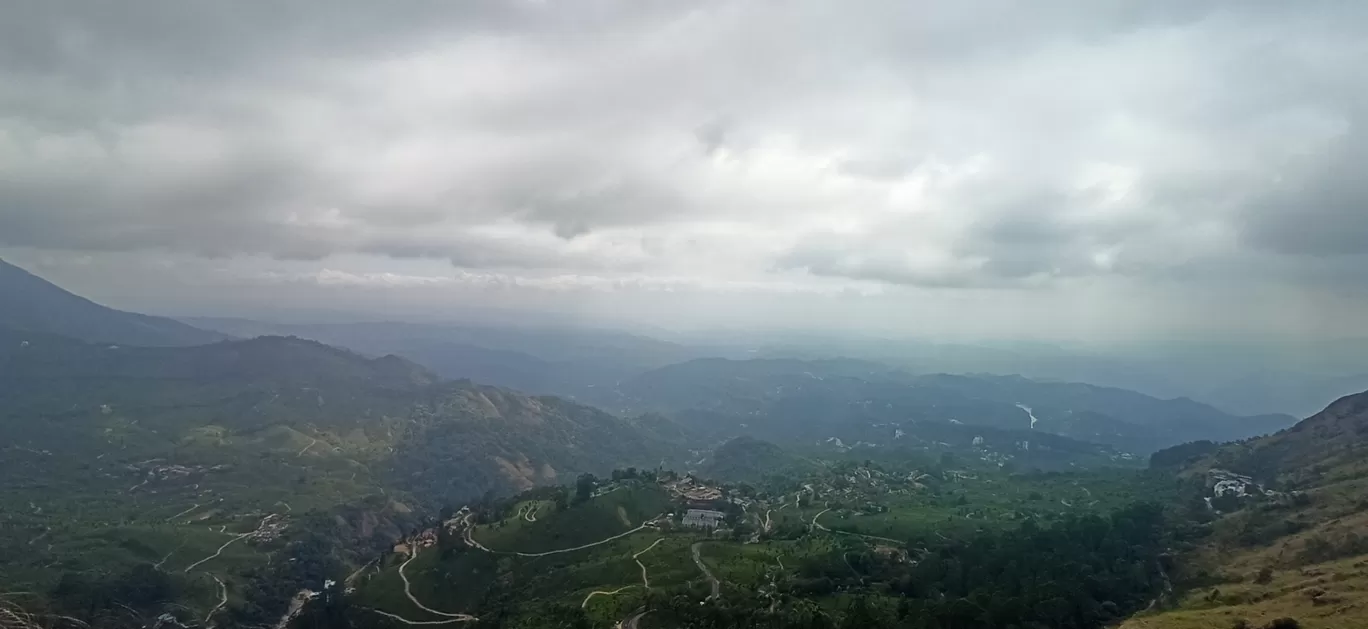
(703, 518)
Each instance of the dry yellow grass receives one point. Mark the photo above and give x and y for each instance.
(1331, 595)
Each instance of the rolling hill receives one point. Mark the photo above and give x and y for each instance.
(113, 459)
(745, 459)
(34, 305)
(568, 362)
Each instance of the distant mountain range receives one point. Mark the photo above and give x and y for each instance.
(856, 400)
(630, 375)
(32, 304)
(565, 362)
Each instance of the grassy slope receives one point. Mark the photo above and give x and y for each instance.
(1333, 514)
(1319, 457)
(1331, 595)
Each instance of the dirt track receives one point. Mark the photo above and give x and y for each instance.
(696, 549)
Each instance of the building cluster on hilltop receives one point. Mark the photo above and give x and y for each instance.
(693, 490)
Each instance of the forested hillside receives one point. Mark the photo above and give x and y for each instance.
(117, 459)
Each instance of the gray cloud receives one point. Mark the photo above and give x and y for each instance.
(966, 145)
(1318, 204)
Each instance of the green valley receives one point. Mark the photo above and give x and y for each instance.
(281, 482)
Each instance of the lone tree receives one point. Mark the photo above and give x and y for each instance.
(584, 487)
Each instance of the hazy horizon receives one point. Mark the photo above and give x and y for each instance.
(1102, 173)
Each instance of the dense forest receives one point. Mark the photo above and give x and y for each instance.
(1080, 573)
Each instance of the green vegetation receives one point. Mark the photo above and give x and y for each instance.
(118, 460)
(613, 513)
(277, 481)
(748, 460)
(1283, 517)
(1100, 558)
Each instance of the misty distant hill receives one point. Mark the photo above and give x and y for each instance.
(32, 304)
(814, 396)
(25, 358)
(567, 362)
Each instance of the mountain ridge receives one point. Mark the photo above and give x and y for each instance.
(881, 394)
(34, 304)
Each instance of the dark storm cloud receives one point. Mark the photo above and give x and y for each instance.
(1319, 205)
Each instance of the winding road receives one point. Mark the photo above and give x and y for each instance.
(416, 622)
(818, 525)
(158, 565)
(633, 621)
(351, 578)
(599, 593)
(185, 512)
(471, 541)
(217, 552)
(228, 543)
(645, 580)
(696, 549)
(223, 599)
(419, 604)
(529, 515)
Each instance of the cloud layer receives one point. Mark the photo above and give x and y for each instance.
(775, 146)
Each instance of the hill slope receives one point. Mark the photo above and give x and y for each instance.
(1286, 513)
(116, 458)
(32, 304)
(745, 459)
(1320, 449)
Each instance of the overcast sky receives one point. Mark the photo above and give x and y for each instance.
(1045, 169)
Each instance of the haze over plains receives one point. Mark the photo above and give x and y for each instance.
(1067, 170)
